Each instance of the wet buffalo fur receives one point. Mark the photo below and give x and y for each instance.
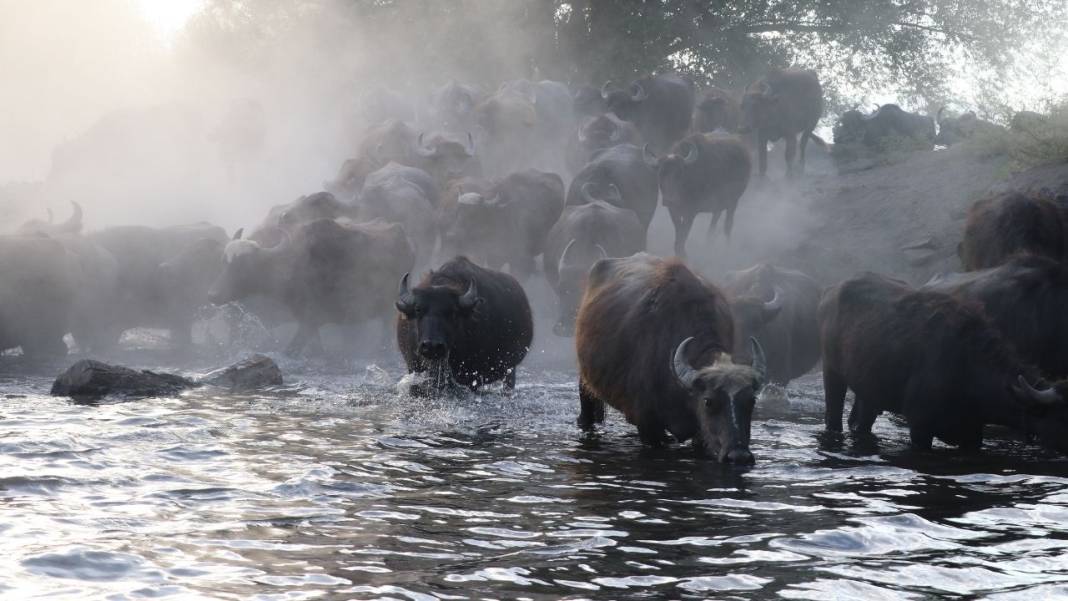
(1026, 299)
(1010, 223)
(485, 344)
(929, 357)
(635, 313)
(788, 330)
(712, 183)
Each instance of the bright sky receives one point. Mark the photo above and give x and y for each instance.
(168, 16)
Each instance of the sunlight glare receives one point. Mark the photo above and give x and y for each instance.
(168, 17)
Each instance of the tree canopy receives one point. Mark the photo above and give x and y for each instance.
(915, 49)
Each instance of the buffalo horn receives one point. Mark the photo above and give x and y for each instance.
(681, 367)
(776, 300)
(614, 193)
(1046, 397)
(760, 362)
(691, 154)
(421, 150)
(605, 89)
(469, 299)
(283, 244)
(639, 92)
(470, 149)
(74, 223)
(648, 156)
(585, 189)
(562, 262)
(405, 299)
(600, 249)
(237, 234)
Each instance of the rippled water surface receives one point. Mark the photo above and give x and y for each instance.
(341, 487)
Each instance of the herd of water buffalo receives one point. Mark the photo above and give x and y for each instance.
(476, 184)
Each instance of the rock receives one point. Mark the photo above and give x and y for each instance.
(258, 371)
(89, 380)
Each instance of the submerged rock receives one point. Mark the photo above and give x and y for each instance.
(92, 380)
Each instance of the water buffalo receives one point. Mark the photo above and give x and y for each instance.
(705, 173)
(596, 134)
(644, 324)
(475, 322)
(36, 295)
(1000, 226)
(587, 102)
(618, 175)
(525, 124)
(287, 216)
(933, 359)
(953, 130)
(162, 278)
(327, 272)
(453, 105)
(882, 127)
(584, 234)
(391, 140)
(72, 226)
(717, 109)
(659, 105)
(778, 307)
(509, 223)
(406, 196)
(1025, 298)
(781, 105)
(445, 156)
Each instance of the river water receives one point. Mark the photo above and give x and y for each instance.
(340, 487)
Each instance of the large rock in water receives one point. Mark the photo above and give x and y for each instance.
(90, 380)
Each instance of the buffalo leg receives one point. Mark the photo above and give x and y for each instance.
(791, 154)
(861, 417)
(762, 154)
(591, 409)
(805, 136)
(651, 431)
(834, 391)
(712, 223)
(728, 223)
(509, 380)
(683, 222)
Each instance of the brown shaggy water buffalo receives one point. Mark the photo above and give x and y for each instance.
(583, 235)
(705, 173)
(781, 105)
(659, 105)
(936, 361)
(620, 176)
(778, 307)
(1001, 226)
(1025, 298)
(475, 322)
(508, 224)
(654, 341)
(327, 272)
(717, 109)
(37, 293)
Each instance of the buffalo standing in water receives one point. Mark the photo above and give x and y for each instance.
(705, 173)
(474, 321)
(934, 360)
(782, 105)
(644, 324)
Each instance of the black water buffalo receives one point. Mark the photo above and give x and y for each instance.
(587, 102)
(717, 109)
(445, 156)
(596, 134)
(307, 208)
(933, 359)
(327, 272)
(644, 323)
(525, 124)
(620, 176)
(781, 105)
(391, 140)
(953, 130)
(659, 105)
(72, 226)
(406, 196)
(705, 173)
(1025, 298)
(778, 307)
(889, 122)
(36, 295)
(452, 107)
(1029, 122)
(474, 321)
(583, 235)
(1000, 226)
(508, 224)
(162, 278)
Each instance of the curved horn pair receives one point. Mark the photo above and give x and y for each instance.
(562, 262)
(686, 374)
(1025, 390)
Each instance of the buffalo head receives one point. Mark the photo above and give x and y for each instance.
(752, 315)
(671, 169)
(247, 268)
(722, 396)
(760, 109)
(572, 269)
(439, 313)
(626, 104)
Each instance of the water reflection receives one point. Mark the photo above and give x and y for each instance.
(338, 487)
